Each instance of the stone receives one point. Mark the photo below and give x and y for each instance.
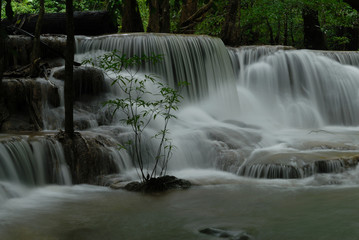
(232, 235)
(4, 113)
(88, 81)
(88, 157)
(159, 184)
(22, 103)
(22, 46)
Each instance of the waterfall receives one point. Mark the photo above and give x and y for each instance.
(263, 91)
(347, 58)
(299, 88)
(37, 161)
(201, 61)
(30, 161)
(241, 108)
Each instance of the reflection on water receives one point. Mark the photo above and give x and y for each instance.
(265, 209)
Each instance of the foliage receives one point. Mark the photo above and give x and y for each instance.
(145, 14)
(139, 106)
(261, 21)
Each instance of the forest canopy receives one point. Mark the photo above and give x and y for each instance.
(315, 24)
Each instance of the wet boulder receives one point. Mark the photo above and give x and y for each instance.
(23, 100)
(19, 49)
(157, 184)
(88, 81)
(86, 23)
(89, 157)
(232, 235)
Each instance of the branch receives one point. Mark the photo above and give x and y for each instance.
(197, 15)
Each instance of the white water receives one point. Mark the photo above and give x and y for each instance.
(256, 112)
(279, 105)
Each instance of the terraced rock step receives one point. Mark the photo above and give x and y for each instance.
(290, 170)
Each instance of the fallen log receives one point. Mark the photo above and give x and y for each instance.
(86, 23)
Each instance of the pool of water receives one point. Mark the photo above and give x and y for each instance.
(264, 209)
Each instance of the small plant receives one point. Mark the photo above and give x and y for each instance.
(140, 106)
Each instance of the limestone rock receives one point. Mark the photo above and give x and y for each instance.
(88, 157)
(23, 103)
(88, 81)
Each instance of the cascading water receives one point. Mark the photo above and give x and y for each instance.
(202, 61)
(278, 97)
(31, 162)
(348, 58)
(302, 89)
(258, 112)
(241, 106)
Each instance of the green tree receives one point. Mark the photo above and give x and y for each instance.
(139, 106)
(159, 19)
(131, 17)
(231, 26)
(8, 10)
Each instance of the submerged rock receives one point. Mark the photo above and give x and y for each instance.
(159, 184)
(232, 235)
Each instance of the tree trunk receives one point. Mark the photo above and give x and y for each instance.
(189, 7)
(271, 35)
(313, 35)
(69, 62)
(277, 37)
(35, 53)
(231, 27)
(131, 17)
(8, 10)
(159, 20)
(285, 42)
(187, 21)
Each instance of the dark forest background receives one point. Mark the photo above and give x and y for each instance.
(313, 24)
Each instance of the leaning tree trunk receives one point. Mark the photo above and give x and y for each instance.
(69, 68)
(189, 7)
(131, 17)
(35, 54)
(190, 16)
(231, 27)
(313, 35)
(8, 10)
(159, 20)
